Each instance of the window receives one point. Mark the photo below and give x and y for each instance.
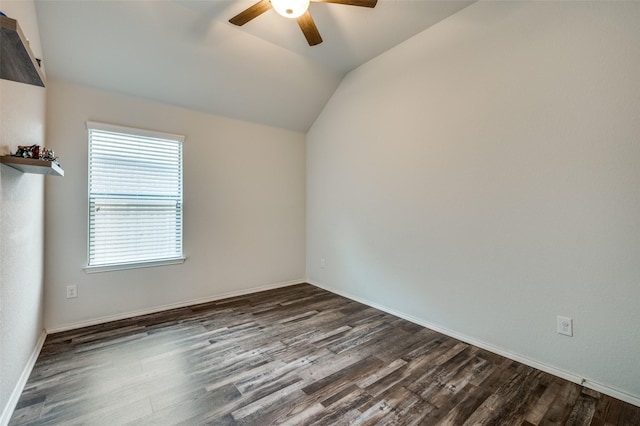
(135, 198)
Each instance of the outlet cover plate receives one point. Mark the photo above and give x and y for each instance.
(565, 326)
(72, 291)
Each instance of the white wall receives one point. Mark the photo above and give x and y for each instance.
(244, 206)
(483, 178)
(22, 118)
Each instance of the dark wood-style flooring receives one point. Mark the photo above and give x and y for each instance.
(297, 355)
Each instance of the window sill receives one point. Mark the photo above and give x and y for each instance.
(136, 265)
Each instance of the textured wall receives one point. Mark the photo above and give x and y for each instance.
(483, 177)
(22, 117)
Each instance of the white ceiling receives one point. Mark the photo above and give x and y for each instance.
(186, 53)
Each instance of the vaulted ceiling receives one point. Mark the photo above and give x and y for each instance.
(186, 53)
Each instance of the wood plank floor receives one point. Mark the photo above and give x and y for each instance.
(297, 356)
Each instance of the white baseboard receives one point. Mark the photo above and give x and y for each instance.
(7, 412)
(155, 309)
(572, 377)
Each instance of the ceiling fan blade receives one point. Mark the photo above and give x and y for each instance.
(309, 29)
(363, 3)
(252, 12)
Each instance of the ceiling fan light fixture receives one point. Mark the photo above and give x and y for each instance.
(290, 8)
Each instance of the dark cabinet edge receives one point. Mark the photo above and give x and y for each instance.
(18, 61)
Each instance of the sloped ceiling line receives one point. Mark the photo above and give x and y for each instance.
(185, 53)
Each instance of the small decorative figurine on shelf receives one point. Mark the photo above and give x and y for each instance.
(25, 151)
(47, 154)
(37, 153)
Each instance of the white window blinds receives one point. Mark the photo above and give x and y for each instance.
(135, 196)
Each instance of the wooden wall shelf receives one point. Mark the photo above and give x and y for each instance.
(31, 165)
(18, 62)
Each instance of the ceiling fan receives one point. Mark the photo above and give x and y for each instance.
(294, 9)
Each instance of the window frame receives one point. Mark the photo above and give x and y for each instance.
(132, 131)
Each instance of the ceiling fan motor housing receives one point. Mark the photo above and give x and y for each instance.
(290, 8)
(294, 9)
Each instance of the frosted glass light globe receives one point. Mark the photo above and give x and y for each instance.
(290, 8)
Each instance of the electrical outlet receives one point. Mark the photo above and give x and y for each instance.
(72, 291)
(323, 263)
(565, 326)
